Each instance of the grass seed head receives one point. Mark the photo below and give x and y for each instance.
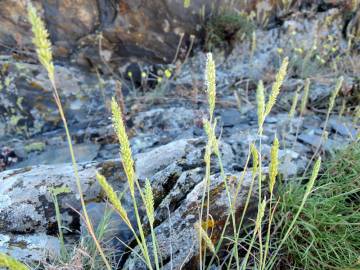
(273, 170)
(313, 176)
(336, 91)
(280, 77)
(125, 150)
(10, 263)
(255, 158)
(294, 104)
(204, 236)
(113, 198)
(260, 98)
(210, 78)
(41, 41)
(260, 214)
(187, 3)
(149, 202)
(305, 96)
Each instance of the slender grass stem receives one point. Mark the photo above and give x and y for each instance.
(76, 173)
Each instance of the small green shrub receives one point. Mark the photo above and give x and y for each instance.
(222, 30)
(326, 234)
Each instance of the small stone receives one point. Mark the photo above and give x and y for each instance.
(231, 117)
(343, 128)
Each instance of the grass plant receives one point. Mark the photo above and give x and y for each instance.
(43, 50)
(325, 234)
(332, 98)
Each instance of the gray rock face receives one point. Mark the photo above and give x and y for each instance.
(178, 237)
(26, 204)
(30, 247)
(150, 29)
(26, 100)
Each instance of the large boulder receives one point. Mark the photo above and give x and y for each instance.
(150, 30)
(27, 205)
(146, 29)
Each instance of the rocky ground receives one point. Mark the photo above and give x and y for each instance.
(167, 138)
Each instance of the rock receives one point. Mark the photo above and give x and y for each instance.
(171, 119)
(129, 28)
(177, 236)
(320, 92)
(184, 184)
(149, 163)
(27, 205)
(315, 141)
(8, 157)
(30, 248)
(343, 127)
(26, 100)
(104, 218)
(231, 117)
(60, 155)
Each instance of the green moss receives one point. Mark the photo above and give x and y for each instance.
(36, 146)
(60, 190)
(14, 120)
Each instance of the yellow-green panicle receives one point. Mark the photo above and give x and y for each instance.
(313, 176)
(335, 92)
(113, 198)
(305, 96)
(210, 77)
(260, 99)
(260, 214)
(125, 150)
(187, 3)
(149, 202)
(280, 77)
(204, 236)
(273, 169)
(294, 104)
(10, 263)
(41, 41)
(255, 158)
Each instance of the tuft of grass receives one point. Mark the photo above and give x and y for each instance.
(223, 29)
(326, 234)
